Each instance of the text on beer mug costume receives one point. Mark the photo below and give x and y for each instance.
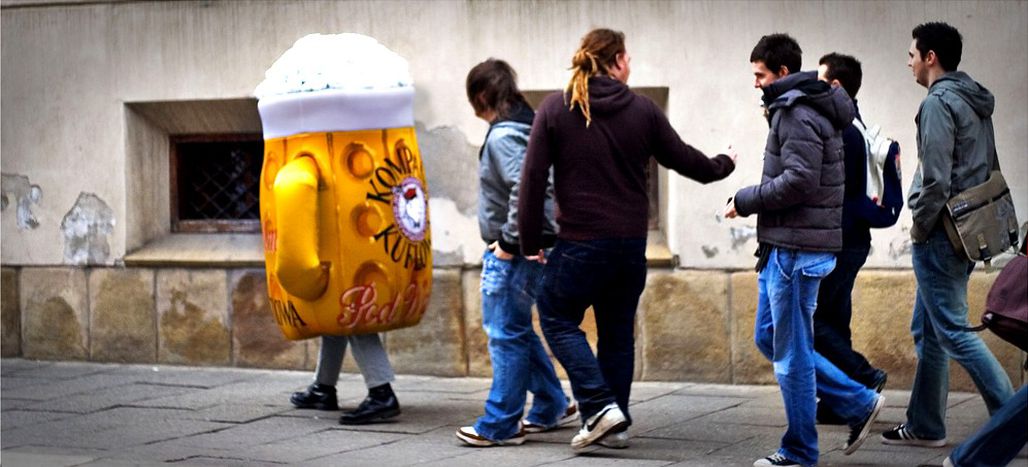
(344, 203)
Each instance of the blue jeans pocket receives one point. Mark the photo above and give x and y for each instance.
(495, 274)
(817, 264)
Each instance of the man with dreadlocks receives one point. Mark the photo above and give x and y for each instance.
(598, 136)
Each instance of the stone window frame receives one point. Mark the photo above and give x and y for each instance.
(150, 127)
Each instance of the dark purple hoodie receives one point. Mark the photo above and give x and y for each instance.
(600, 171)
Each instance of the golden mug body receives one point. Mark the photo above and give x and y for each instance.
(344, 216)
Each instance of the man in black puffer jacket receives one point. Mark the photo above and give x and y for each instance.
(799, 226)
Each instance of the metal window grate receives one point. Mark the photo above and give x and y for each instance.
(217, 181)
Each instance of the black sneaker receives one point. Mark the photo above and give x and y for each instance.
(317, 396)
(774, 459)
(827, 416)
(859, 431)
(900, 435)
(880, 378)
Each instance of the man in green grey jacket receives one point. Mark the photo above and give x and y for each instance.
(956, 150)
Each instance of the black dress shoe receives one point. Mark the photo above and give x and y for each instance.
(317, 396)
(380, 405)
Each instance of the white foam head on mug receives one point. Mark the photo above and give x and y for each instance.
(335, 82)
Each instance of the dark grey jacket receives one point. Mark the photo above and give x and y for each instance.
(799, 198)
(955, 147)
(499, 176)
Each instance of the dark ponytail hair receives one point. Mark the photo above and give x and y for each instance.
(493, 85)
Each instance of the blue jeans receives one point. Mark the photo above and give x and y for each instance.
(1002, 437)
(832, 337)
(518, 358)
(784, 333)
(940, 315)
(608, 275)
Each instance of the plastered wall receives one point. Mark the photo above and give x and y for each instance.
(71, 70)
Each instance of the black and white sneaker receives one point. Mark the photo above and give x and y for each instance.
(608, 420)
(615, 440)
(774, 459)
(902, 436)
(859, 431)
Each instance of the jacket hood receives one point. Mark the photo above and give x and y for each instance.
(833, 103)
(520, 113)
(607, 95)
(958, 82)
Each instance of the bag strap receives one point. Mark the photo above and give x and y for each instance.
(994, 163)
(978, 328)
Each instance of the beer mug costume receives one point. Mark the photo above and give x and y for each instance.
(344, 204)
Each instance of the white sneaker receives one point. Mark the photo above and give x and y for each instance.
(615, 440)
(469, 435)
(607, 421)
(570, 416)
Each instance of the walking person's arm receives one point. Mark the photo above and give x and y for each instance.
(799, 176)
(935, 168)
(508, 156)
(532, 189)
(673, 153)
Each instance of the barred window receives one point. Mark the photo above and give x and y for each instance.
(215, 182)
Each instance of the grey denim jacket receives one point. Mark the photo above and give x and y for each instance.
(499, 175)
(956, 147)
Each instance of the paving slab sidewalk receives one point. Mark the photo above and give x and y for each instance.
(87, 414)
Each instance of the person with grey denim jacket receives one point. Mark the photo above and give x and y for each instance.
(955, 151)
(499, 175)
(955, 145)
(520, 364)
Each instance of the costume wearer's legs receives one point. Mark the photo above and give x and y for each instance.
(330, 360)
(832, 318)
(368, 352)
(1002, 437)
(372, 359)
(577, 275)
(939, 319)
(508, 290)
(783, 332)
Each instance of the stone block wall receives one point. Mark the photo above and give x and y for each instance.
(693, 325)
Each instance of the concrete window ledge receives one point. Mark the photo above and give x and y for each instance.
(658, 255)
(200, 250)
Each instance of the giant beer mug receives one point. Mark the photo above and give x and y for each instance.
(344, 204)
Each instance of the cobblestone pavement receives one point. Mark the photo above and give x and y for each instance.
(72, 414)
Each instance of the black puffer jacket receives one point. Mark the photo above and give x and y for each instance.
(799, 198)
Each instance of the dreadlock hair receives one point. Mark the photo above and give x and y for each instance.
(492, 84)
(598, 52)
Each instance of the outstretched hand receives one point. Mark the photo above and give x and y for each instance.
(730, 212)
(541, 257)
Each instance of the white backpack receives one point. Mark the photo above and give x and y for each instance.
(877, 146)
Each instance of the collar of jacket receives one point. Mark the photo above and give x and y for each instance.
(786, 91)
